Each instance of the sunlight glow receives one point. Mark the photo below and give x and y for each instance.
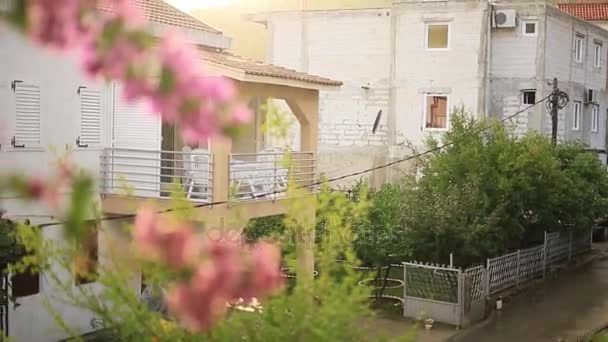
(191, 5)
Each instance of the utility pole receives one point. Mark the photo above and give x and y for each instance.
(554, 111)
(556, 101)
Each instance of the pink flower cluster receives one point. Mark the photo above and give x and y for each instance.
(48, 191)
(58, 23)
(223, 269)
(117, 46)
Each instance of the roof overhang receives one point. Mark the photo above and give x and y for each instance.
(197, 37)
(243, 76)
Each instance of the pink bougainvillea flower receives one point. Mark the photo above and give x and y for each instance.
(157, 238)
(199, 304)
(58, 23)
(241, 114)
(181, 247)
(265, 272)
(218, 88)
(35, 187)
(145, 232)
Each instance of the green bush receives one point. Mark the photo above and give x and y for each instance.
(493, 192)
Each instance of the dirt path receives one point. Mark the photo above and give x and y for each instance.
(563, 308)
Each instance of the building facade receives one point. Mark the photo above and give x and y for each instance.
(418, 60)
(48, 107)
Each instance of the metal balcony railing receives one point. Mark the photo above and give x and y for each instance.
(266, 175)
(154, 174)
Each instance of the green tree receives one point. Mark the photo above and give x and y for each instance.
(492, 191)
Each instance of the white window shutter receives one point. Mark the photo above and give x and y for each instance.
(27, 119)
(134, 125)
(90, 118)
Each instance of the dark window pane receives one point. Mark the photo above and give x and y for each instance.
(25, 284)
(529, 97)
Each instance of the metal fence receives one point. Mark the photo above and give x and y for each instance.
(452, 296)
(433, 290)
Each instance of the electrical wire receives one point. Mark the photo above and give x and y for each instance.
(317, 183)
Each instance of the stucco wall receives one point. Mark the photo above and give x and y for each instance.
(574, 77)
(58, 78)
(516, 60)
(350, 46)
(455, 72)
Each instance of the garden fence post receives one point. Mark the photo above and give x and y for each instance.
(545, 257)
(485, 283)
(451, 260)
(461, 304)
(570, 247)
(517, 269)
(488, 276)
(404, 285)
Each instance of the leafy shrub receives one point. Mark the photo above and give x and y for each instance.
(493, 192)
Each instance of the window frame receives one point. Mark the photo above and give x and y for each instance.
(523, 28)
(426, 34)
(523, 96)
(576, 115)
(579, 38)
(598, 49)
(595, 118)
(19, 145)
(424, 113)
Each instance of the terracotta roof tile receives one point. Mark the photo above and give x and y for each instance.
(253, 67)
(587, 11)
(159, 11)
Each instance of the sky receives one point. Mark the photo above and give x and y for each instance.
(191, 5)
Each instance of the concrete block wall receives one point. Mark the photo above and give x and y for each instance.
(350, 46)
(574, 77)
(455, 72)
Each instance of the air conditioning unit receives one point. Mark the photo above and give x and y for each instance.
(590, 95)
(505, 18)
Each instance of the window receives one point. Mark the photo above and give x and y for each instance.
(27, 110)
(576, 116)
(529, 97)
(595, 118)
(88, 260)
(579, 43)
(528, 28)
(436, 112)
(597, 55)
(437, 36)
(90, 118)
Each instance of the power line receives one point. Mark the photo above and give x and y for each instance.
(330, 180)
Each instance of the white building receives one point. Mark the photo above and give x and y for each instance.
(48, 107)
(417, 60)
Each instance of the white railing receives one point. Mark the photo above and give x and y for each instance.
(266, 175)
(154, 174)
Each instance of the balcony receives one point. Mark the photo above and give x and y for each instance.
(151, 174)
(154, 174)
(260, 176)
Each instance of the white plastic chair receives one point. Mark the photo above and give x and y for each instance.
(196, 164)
(243, 179)
(270, 166)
